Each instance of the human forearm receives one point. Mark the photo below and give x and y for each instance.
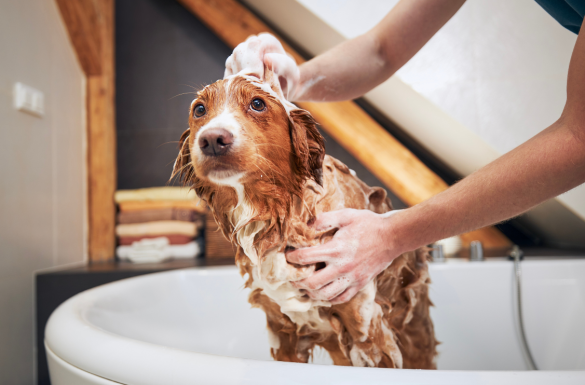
(366, 243)
(547, 165)
(354, 67)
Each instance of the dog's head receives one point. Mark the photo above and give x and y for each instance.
(242, 132)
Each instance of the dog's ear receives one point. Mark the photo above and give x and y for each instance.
(378, 200)
(183, 166)
(308, 145)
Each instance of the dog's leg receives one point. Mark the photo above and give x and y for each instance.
(363, 334)
(405, 284)
(337, 355)
(292, 347)
(286, 344)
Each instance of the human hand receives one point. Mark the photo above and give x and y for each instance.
(358, 252)
(258, 52)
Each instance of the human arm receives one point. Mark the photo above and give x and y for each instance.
(547, 165)
(356, 66)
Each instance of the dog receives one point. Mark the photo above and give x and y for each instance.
(259, 163)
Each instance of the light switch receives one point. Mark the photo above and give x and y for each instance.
(28, 99)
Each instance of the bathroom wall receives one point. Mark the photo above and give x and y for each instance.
(42, 171)
(164, 55)
(494, 76)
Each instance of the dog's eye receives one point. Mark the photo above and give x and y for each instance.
(257, 104)
(199, 110)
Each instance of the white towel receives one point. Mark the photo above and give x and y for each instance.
(155, 250)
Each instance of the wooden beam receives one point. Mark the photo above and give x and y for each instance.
(102, 143)
(90, 24)
(346, 122)
(380, 152)
(81, 18)
(232, 22)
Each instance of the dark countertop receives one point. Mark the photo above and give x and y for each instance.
(143, 268)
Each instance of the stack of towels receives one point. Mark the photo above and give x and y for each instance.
(157, 223)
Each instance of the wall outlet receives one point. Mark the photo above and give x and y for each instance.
(29, 100)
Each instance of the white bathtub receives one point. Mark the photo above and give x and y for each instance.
(195, 326)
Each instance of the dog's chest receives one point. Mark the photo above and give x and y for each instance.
(273, 274)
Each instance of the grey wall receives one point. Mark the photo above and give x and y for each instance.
(162, 52)
(163, 55)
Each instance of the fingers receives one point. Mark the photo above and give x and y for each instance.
(310, 255)
(286, 70)
(248, 56)
(229, 67)
(329, 285)
(318, 280)
(345, 296)
(270, 43)
(332, 219)
(331, 290)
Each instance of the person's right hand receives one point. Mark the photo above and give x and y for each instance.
(251, 56)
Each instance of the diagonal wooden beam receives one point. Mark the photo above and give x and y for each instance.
(82, 21)
(90, 25)
(346, 122)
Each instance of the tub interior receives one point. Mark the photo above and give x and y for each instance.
(205, 310)
(200, 310)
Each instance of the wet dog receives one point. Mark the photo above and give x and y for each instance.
(259, 162)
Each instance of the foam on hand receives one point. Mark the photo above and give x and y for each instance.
(247, 61)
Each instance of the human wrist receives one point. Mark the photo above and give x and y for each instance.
(299, 91)
(309, 85)
(396, 240)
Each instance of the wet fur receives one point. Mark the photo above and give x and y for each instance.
(287, 182)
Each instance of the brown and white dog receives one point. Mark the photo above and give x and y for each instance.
(259, 162)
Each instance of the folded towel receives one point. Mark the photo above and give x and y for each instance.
(167, 214)
(158, 227)
(156, 250)
(162, 204)
(155, 194)
(174, 239)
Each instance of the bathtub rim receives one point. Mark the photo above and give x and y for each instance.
(68, 333)
(63, 372)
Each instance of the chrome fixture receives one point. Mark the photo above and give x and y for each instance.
(437, 253)
(476, 251)
(516, 255)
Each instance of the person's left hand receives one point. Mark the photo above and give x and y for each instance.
(358, 252)
(264, 51)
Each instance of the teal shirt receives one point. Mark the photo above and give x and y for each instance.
(569, 13)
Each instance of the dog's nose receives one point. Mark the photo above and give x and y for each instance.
(215, 141)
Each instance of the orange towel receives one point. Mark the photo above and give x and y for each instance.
(168, 214)
(174, 239)
(170, 193)
(164, 204)
(158, 227)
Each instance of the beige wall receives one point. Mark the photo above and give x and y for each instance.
(42, 171)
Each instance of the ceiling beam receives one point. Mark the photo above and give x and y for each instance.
(81, 18)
